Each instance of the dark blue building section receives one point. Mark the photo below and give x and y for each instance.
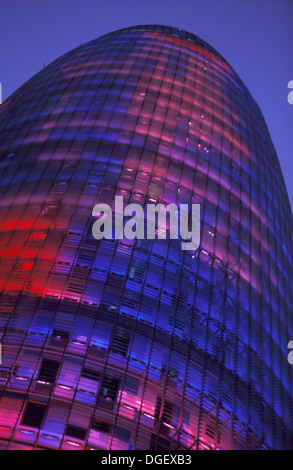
(138, 344)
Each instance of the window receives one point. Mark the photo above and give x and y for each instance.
(131, 385)
(90, 374)
(120, 344)
(109, 387)
(48, 371)
(60, 336)
(34, 415)
(122, 434)
(74, 431)
(158, 443)
(101, 426)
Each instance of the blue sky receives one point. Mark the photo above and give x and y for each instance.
(254, 36)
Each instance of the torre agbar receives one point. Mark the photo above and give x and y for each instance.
(136, 343)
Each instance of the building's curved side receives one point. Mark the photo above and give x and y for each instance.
(138, 344)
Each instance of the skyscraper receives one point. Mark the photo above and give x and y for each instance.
(138, 344)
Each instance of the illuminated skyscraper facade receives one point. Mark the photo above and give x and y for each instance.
(137, 344)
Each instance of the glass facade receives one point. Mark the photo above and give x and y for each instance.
(137, 344)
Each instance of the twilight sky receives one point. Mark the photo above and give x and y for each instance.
(254, 36)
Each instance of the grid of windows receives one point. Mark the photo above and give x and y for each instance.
(136, 344)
